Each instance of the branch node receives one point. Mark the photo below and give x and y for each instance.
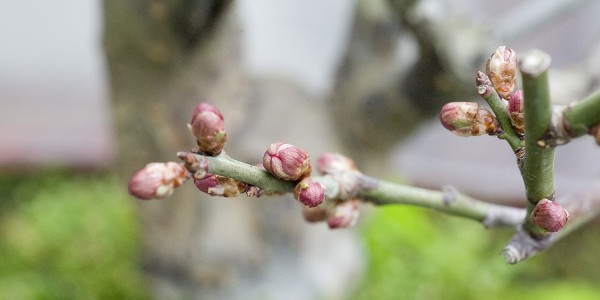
(535, 62)
(449, 194)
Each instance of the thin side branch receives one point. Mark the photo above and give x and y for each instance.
(372, 190)
(582, 115)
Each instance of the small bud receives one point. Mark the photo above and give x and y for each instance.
(345, 215)
(595, 132)
(157, 180)
(515, 110)
(309, 192)
(217, 185)
(330, 163)
(467, 119)
(286, 161)
(315, 214)
(208, 127)
(549, 215)
(502, 70)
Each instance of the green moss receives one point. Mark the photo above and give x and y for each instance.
(68, 236)
(419, 254)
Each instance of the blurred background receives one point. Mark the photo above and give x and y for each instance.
(91, 91)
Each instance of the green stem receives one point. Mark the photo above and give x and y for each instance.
(538, 165)
(583, 114)
(376, 191)
(450, 202)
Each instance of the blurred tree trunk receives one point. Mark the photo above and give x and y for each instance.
(163, 58)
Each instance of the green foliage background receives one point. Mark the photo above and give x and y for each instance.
(73, 236)
(67, 237)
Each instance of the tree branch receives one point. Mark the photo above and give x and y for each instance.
(538, 165)
(372, 190)
(582, 115)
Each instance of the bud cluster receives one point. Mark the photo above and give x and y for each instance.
(468, 119)
(157, 180)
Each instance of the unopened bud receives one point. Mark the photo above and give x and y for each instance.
(502, 70)
(345, 215)
(309, 192)
(467, 119)
(515, 110)
(208, 127)
(595, 132)
(330, 163)
(286, 161)
(549, 215)
(217, 185)
(315, 214)
(157, 180)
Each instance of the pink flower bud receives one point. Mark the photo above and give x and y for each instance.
(459, 117)
(549, 215)
(467, 119)
(309, 192)
(315, 214)
(515, 110)
(157, 180)
(330, 163)
(502, 70)
(345, 215)
(209, 129)
(217, 185)
(286, 161)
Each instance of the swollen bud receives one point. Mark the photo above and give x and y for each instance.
(515, 110)
(549, 215)
(345, 215)
(330, 163)
(157, 180)
(309, 192)
(467, 119)
(502, 70)
(217, 185)
(208, 127)
(286, 161)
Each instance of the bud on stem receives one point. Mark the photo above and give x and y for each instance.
(549, 215)
(217, 185)
(208, 127)
(309, 192)
(286, 161)
(157, 180)
(502, 70)
(467, 119)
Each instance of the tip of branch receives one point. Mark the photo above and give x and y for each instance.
(535, 62)
(511, 255)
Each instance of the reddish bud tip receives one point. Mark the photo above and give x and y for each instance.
(208, 127)
(216, 185)
(515, 110)
(549, 215)
(345, 215)
(286, 161)
(157, 180)
(329, 163)
(459, 117)
(502, 70)
(309, 192)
